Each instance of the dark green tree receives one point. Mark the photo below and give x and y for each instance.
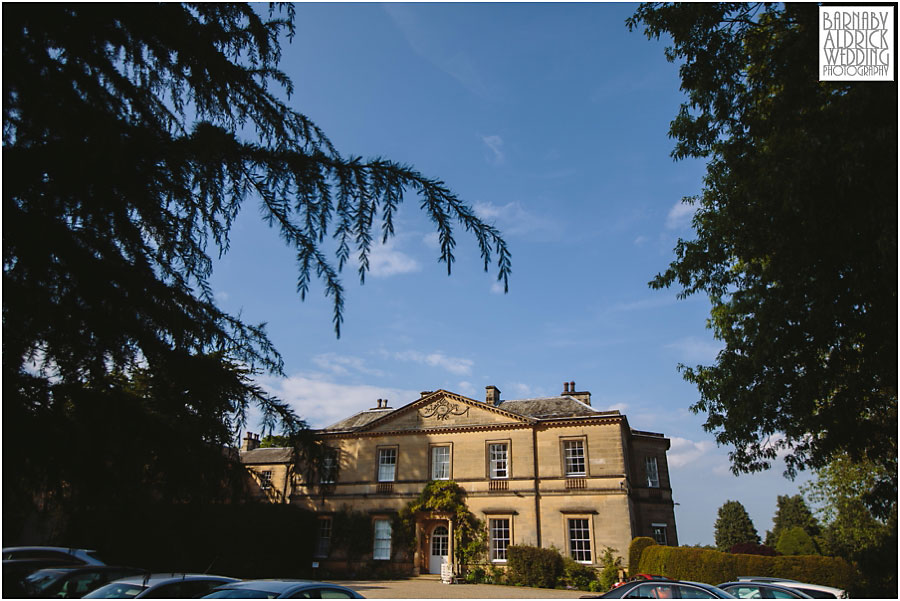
(734, 526)
(133, 135)
(792, 511)
(795, 237)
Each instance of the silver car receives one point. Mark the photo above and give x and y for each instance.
(160, 586)
(283, 589)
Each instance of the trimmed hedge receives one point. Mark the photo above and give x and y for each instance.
(635, 550)
(534, 566)
(715, 567)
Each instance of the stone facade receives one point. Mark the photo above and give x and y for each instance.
(545, 472)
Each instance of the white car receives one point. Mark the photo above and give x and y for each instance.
(817, 591)
(86, 557)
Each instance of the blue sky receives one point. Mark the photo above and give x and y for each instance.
(551, 121)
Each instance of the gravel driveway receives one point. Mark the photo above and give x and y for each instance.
(430, 587)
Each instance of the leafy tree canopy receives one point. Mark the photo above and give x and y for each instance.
(133, 135)
(790, 512)
(796, 236)
(795, 541)
(734, 526)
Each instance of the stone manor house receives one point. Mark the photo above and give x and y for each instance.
(544, 472)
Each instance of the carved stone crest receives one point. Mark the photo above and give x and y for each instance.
(442, 409)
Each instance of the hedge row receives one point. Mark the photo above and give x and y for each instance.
(715, 567)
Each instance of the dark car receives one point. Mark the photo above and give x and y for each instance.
(762, 590)
(663, 589)
(16, 570)
(160, 586)
(70, 555)
(73, 582)
(283, 589)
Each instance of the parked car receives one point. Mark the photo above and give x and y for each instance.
(816, 591)
(641, 576)
(762, 590)
(73, 582)
(663, 589)
(160, 586)
(16, 570)
(282, 589)
(71, 555)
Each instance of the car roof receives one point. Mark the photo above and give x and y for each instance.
(766, 583)
(277, 585)
(816, 587)
(167, 577)
(84, 555)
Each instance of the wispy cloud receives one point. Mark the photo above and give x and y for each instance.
(323, 402)
(495, 144)
(516, 220)
(680, 215)
(344, 364)
(385, 260)
(455, 365)
(684, 452)
(693, 350)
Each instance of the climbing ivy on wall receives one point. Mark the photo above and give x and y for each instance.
(469, 534)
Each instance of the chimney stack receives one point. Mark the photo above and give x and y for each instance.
(492, 396)
(251, 442)
(569, 390)
(565, 388)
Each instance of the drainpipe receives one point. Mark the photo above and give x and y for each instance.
(537, 485)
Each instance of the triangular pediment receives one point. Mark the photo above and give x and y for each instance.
(442, 409)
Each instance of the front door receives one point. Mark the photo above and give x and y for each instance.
(440, 545)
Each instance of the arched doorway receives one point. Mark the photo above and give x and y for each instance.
(440, 549)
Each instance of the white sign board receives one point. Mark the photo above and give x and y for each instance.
(446, 573)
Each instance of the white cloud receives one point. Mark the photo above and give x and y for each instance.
(497, 288)
(385, 261)
(455, 365)
(466, 389)
(515, 220)
(684, 452)
(620, 407)
(696, 350)
(322, 402)
(640, 240)
(680, 215)
(343, 364)
(495, 144)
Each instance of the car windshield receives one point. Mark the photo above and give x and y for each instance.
(116, 590)
(41, 580)
(240, 593)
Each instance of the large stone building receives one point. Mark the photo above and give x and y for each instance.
(545, 472)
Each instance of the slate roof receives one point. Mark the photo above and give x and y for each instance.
(268, 455)
(552, 408)
(358, 420)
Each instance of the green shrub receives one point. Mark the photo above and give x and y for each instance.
(634, 552)
(534, 566)
(609, 575)
(577, 575)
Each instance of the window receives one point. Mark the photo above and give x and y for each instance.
(265, 480)
(329, 467)
(387, 464)
(573, 454)
(499, 538)
(382, 540)
(652, 473)
(440, 463)
(498, 460)
(659, 533)
(580, 540)
(323, 541)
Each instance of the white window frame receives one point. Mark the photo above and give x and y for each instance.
(329, 463)
(442, 474)
(323, 537)
(652, 469)
(265, 479)
(387, 464)
(382, 540)
(572, 459)
(500, 531)
(498, 466)
(660, 531)
(580, 548)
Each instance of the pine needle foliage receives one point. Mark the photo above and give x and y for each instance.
(133, 135)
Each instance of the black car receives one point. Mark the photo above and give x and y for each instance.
(663, 589)
(73, 582)
(762, 590)
(16, 570)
